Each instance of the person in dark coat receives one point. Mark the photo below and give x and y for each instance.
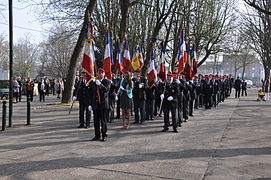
(207, 92)
(99, 99)
(139, 97)
(29, 89)
(112, 99)
(244, 88)
(150, 97)
(159, 89)
(186, 97)
(81, 93)
(237, 86)
(170, 103)
(19, 80)
(42, 89)
(118, 80)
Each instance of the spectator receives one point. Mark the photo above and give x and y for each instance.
(126, 95)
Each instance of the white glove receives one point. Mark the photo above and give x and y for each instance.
(170, 98)
(140, 86)
(177, 81)
(74, 98)
(89, 108)
(98, 82)
(122, 88)
(162, 96)
(116, 98)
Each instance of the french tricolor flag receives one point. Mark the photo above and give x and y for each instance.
(108, 57)
(152, 73)
(126, 61)
(182, 55)
(118, 62)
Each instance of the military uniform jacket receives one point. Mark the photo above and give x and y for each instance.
(207, 88)
(214, 86)
(150, 93)
(82, 92)
(159, 89)
(104, 94)
(171, 90)
(113, 89)
(139, 93)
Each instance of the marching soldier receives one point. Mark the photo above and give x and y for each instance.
(192, 92)
(214, 89)
(99, 97)
(185, 98)
(150, 96)
(159, 89)
(112, 98)
(139, 97)
(207, 91)
(170, 103)
(180, 98)
(118, 80)
(81, 93)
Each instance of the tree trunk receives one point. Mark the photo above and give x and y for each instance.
(76, 53)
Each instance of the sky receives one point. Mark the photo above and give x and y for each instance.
(25, 22)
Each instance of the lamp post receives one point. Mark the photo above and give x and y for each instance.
(10, 63)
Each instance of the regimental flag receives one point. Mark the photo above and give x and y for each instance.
(162, 71)
(188, 65)
(182, 55)
(137, 62)
(89, 55)
(194, 60)
(108, 57)
(118, 62)
(152, 73)
(126, 61)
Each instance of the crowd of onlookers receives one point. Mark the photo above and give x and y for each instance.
(39, 86)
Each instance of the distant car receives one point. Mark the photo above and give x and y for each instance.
(249, 83)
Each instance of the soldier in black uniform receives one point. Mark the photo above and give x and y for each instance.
(81, 93)
(197, 91)
(207, 92)
(192, 92)
(139, 97)
(112, 99)
(100, 104)
(150, 96)
(182, 87)
(170, 103)
(186, 98)
(159, 89)
(214, 89)
(118, 80)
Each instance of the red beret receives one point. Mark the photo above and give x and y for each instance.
(169, 74)
(101, 69)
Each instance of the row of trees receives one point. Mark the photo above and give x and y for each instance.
(144, 23)
(213, 25)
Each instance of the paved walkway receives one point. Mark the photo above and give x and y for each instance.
(230, 142)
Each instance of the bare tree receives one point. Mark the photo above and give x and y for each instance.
(3, 53)
(25, 57)
(259, 5)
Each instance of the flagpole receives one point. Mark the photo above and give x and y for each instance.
(95, 64)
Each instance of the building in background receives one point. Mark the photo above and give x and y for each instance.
(247, 67)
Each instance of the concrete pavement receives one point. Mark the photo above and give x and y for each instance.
(229, 142)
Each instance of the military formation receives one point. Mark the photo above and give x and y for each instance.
(175, 98)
